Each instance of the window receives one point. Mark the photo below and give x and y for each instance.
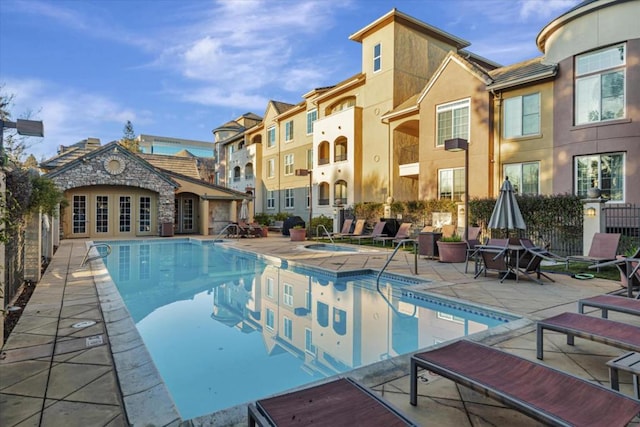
(323, 153)
(308, 196)
(377, 60)
(236, 174)
(524, 177)
(453, 121)
(288, 131)
(288, 328)
(125, 214)
(312, 116)
(340, 149)
(271, 136)
(144, 214)
(288, 164)
(271, 199)
(340, 191)
(288, 198)
(605, 171)
(270, 287)
(102, 214)
(600, 85)
(451, 184)
(309, 347)
(522, 116)
(323, 194)
(288, 295)
(271, 168)
(270, 319)
(309, 159)
(79, 222)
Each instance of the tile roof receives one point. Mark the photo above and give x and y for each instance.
(521, 72)
(281, 107)
(186, 166)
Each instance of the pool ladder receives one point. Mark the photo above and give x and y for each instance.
(320, 226)
(86, 258)
(227, 228)
(415, 261)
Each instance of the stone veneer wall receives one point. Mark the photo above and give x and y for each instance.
(93, 172)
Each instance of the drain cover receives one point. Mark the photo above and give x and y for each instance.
(83, 324)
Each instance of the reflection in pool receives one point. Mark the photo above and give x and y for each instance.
(226, 327)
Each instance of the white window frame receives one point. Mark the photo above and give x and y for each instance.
(287, 295)
(516, 119)
(453, 172)
(377, 57)
(288, 164)
(270, 319)
(590, 68)
(289, 198)
(518, 181)
(271, 168)
(581, 190)
(456, 123)
(270, 287)
(309, 347)
(288, 131)
(271, 137)
(287, 326)
(271, 199)
(312, 116)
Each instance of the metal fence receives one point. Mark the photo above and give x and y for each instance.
(623, 219)
(13, 267)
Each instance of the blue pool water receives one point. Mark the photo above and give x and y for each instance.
(225, 327)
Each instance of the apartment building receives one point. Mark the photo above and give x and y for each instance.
(560, 123)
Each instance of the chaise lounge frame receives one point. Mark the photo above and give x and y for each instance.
(543, 393)
(608, 303)
(605, 331)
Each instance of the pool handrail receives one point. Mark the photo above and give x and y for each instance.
(415, 254)
(86, 258)
(226, 228)
(318, 227)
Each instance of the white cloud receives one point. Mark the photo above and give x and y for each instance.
(545, 8)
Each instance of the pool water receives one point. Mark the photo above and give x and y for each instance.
(225, 327)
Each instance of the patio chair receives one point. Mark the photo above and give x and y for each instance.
(495, 257)
(448, 230)
(346, 228)
(616, 334)
(401, 234)
(473, 242)
(604, 247)
(529, 263)
(358, 229)
(629, 268)
(341, 402)
(548, 395)
(376, 232)
(545, 253)
(610, 302)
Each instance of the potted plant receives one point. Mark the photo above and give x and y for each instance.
(452, 249)
(298, 233)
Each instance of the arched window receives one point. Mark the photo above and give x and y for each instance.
(323, 153)
(236, 174)
(248, 171)
(323, 194)
(340, 151)
(340, 193)
(341, 104)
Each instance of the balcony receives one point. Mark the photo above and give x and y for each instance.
(408, 161)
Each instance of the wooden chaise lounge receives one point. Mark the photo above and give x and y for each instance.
(605, 331)
(608, 303)
(341, 402)
(543, 393)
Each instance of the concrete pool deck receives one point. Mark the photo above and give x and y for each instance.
(59, 369)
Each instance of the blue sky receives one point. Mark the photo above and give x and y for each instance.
(182, 68)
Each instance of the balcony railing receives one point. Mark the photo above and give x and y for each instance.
(323, 161)
(323, 202)
(340, 157)
(340, 201)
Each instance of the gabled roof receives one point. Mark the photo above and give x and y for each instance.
(521, 73)
(186, 166)
(472, 68)
(281, 107)
(70, 153)
(409, 106)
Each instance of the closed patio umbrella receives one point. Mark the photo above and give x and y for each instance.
(506, 214)
(244, 210)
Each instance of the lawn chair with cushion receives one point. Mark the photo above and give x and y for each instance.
(377, 232)
(548, 395)
(341, 402)
(604, 247)
(401, 234)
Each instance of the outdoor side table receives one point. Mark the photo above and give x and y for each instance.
(629, 362)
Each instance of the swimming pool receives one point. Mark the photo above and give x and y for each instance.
(225, 327)
(328, 247)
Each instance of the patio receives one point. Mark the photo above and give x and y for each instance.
(52, 373)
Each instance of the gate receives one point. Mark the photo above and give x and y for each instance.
(623, 219)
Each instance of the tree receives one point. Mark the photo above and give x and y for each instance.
(128, 139)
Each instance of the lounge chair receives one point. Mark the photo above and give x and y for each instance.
(611, 302)
(604, 247)
(378, 231)
(473, 242)
(346, 228)
(448, 230)
(358, 229)
(605, 331)
(548, 395)
(342, 402)
(401, 234)
(544, 252)
(529, 263)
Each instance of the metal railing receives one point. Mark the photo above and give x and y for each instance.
(321, 226)
(87, 259)
(226, 229)
(415, 255)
